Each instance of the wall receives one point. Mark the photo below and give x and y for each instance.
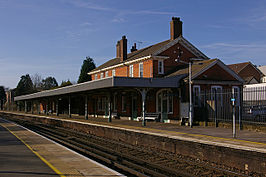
(214, 154)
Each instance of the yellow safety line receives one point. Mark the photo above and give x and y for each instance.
(37, 154)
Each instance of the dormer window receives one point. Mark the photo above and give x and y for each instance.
(96, 76)
(101, 75)
(160, 67)
(106, 74)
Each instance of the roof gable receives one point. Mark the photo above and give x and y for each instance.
(200, 67)
(184, 43)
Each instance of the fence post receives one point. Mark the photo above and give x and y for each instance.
(215, 105)
(240, 110)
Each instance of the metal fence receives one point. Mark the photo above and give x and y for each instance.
(220, 105)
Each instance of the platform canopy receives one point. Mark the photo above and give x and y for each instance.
(111, 82)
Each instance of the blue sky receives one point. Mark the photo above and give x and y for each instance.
(53, 37)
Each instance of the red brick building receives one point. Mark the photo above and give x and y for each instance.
(164, 60)
(152, 80)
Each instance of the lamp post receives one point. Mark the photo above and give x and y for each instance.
(190, 95)
(190, 62)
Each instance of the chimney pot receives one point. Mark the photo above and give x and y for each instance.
(134, 48)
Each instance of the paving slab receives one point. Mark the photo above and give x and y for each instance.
(16, 159)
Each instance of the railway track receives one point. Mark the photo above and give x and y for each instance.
(128, 159)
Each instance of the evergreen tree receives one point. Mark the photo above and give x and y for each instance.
(49, 83)
(24, 86)
(87, 66)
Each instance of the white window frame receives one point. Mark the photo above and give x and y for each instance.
(196, 103)
(96, 77)
(106, 73)
(160, 64)
(141, 69)
(131, 71)
(113, 72)
(168, 102)
(101, 76)
(216, 87)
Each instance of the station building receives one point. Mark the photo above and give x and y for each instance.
(152, 82)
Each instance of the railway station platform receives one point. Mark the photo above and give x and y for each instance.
(25, 153)
(247, 151)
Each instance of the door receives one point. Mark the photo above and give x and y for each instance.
(164, 109)
(134, 108)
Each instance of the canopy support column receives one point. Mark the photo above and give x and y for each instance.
(143, 93)
(56, 107)
(69, 106)
(86, 107)
(25, 106)
(110, 107)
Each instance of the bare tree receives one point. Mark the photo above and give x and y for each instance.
(37, 81)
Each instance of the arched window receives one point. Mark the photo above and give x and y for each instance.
(164, 101)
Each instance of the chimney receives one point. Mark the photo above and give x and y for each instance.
(121, 49)
(175, 28)
(134, 48)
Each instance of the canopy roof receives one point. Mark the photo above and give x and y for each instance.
(111, 82)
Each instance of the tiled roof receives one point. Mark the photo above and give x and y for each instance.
(134, 55)
(249, 78)
(238, 66)
(196, 68)
(262, 69)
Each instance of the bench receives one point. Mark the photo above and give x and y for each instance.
(150, 117)
(114, 115)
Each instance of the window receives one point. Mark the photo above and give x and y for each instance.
(124, 104)
(141, 70)
(96, 76)
(196, 95)
(216, 94)
(106, 73)
(101, 103)
(160, 67)
(131, 71)
(170, 102)
(115, 102)
(165, 101)
(236, 95)
(113, 72)
(101, 75)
